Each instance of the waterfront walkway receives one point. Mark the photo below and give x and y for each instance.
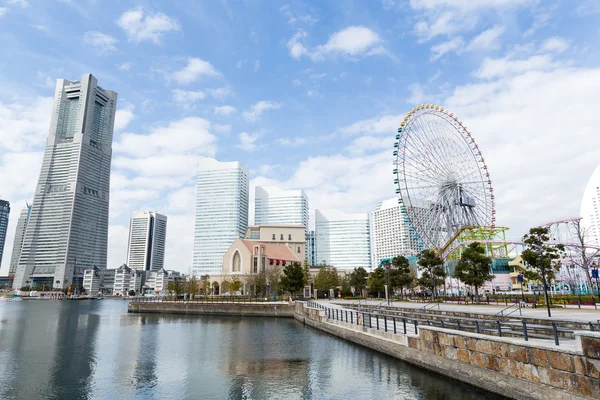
(584, 315)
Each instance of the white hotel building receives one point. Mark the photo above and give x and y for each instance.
(342, 240)
(389, 233)
(590, 208)
(67, 231)
(147, 238)
(221, 213)
(275, 206)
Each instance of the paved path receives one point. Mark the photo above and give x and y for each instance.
(558, 314)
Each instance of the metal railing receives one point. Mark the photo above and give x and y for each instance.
(502, 313)
(210, 299)
(410, 324)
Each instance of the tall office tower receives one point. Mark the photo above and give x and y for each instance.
(147, 238)
(221, 212)
(274, 206)
(342, 240)
(19, 235)
(590, 209)
(68, 225)
(310, 249)
(389, 233)
(4, 214)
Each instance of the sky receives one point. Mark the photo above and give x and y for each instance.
(307, 95)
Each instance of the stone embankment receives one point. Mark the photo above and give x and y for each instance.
(508, 366)
(279, 310)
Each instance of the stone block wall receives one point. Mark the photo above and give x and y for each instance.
(575, 371)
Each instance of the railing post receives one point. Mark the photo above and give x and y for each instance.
(477, 326)
(346, 312)
(364, 319)
(591, 326)
(416, 323)
(525, 331)
(499, 328)
(394, 325)
(404, 324)
(370, 325)
(377, 317)
(385, 323)
(351, 318)
(458, 323)
(555, 331)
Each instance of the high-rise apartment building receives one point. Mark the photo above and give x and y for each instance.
(590, 209)
(310, 248)
(275, 206)
(221, 212)
(390, 236)
(4, 214)
(68, 225)
(342, 240)
(147, 239)
(19, 235)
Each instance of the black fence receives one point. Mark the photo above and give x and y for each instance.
(410, 324)
(212, 299)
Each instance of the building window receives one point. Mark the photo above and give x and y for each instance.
(273, 236)
(298, 249)
(237, 261)
(289, 236)
(281, 236)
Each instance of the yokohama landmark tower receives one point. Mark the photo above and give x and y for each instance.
(68, 226)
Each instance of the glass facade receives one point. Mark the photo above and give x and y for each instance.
(147, 238)
(342, 240)
(222, 194)
(4, 214)
(274, 206)
(19, 235)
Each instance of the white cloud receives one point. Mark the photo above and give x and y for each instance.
(294, 18)
(450, 17)
(124, 116)
(3, 10)
(187, 96)
(318, 76)
(140, 26)
(41, 28)
(220, 93)
(388, 4)
(353, 42)
(26, 123)
(555, 44)
(291, 141)
(493, 68)
(222, 129)
(256, 65)
(387, 124)
(105, 43)
(248, 141)
(21, 3)
(125, 66)
(182, 137)
(46, 80)
(296, 82)
(313, 93)
(366, 144)
(487, 40)
(439, 50)
(194, 69)
(254, 113)
(224, 110)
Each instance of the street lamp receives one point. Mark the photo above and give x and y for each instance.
(521, 280)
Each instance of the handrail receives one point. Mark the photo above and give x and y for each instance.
(430, 306)
(501, 312)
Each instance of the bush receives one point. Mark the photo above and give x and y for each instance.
(354, 298)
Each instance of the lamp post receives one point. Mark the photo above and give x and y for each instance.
(595, 274)
(521, 279)
(387, 282)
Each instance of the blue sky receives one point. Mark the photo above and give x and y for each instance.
(307, 95)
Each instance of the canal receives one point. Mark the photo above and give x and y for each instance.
(96, 350)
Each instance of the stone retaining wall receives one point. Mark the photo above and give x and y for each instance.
(236, 309)
(507, 366)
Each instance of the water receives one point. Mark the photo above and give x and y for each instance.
(95, 350)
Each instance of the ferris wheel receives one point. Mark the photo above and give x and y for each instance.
(443, 181)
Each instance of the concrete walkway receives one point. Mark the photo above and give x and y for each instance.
(558, 314)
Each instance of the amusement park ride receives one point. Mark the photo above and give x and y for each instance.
(446, 195)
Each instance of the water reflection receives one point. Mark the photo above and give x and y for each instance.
(95, 350)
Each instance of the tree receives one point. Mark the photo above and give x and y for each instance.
(132, 292)
(377, 281)
(402, 276)
(294, 278)
(274, 279)
(327, 278)
(236, 284)
(225, 286)
(473, 268)
(344, 282)
(206, 285)
(432, 270)
(358, 278)
(258, 283)
(543, 259)
(586, 255)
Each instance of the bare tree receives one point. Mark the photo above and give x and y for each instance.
(586, 255)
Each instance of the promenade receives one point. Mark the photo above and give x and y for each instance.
(585, 314)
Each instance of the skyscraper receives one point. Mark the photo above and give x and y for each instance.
(19, 235)
(221, 212)
(275, 206)
(342, 240)
(4, 214)
(389, 233)
(147, 237)
(68, 226)
(590, 209)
